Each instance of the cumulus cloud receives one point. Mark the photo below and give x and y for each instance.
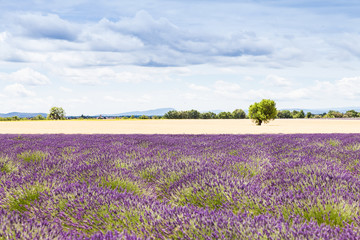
(144, 98)
(95, 76)
(144, 26)
(141, 40)
(140, 99)
(276, 81)
(113, 99)
(3, 36)
(76, 100)
(290, 95)
(222, 88)
(345, 88)
(26, 76)
(98, 38)
(113, 75)
(90, 76)
(64, 89)
(196, 87)
(18, 90)
(30, 77)
(226, 88)
(349, 87)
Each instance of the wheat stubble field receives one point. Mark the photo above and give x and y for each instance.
(228, 126)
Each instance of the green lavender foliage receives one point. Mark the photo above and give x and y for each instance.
(32, 156)
(180, 186)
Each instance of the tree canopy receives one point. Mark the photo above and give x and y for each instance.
(263, 111)
(56, 113)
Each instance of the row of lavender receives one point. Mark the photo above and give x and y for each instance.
(180, 186)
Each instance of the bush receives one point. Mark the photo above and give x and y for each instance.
(284, 114)
(300, 114)
(208, 115)
(334, 114)
(238, 114)
(224, 115)
(351, 114)
(309, 115)
(173, 114)
(38, 117)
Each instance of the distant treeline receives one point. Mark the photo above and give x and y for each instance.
(194, 114)
(330, 114)
(240, 114)
(16, 118)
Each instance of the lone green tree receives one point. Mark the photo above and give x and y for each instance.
(263, 111)
(56, 113)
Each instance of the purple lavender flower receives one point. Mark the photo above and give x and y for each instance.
(299, 186)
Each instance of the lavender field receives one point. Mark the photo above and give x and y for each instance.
(297, 186)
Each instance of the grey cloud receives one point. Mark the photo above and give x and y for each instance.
(45, 26)
(154, 33)
(348, 42)
(145, 27)
(140, 40)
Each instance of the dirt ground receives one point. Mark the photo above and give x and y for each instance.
(226, 126)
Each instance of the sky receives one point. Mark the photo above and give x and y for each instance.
(105, 57)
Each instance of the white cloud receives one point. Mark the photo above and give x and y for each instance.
(349, 87)
(89, 76)
(18, 90)
(140, 99)
(93, 76)
(30, 77)
(75, 100)
(345, 88)
(248, 78)
(32, 104)
(198, 87)
(144, 26)
(144, 98)
(64, 89)
(113, 99)
(228, 41)
(105, 75)
(218, 88)
(98, 38)
(193, 97)
(141, 40)
(276, 81)
(3, 36)
(226, 88)
(132, 77)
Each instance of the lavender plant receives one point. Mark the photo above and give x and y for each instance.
(300, 186)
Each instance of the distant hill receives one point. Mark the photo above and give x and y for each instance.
(153, 112)
(21, 114)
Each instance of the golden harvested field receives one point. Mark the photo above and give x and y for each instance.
(228, 126)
